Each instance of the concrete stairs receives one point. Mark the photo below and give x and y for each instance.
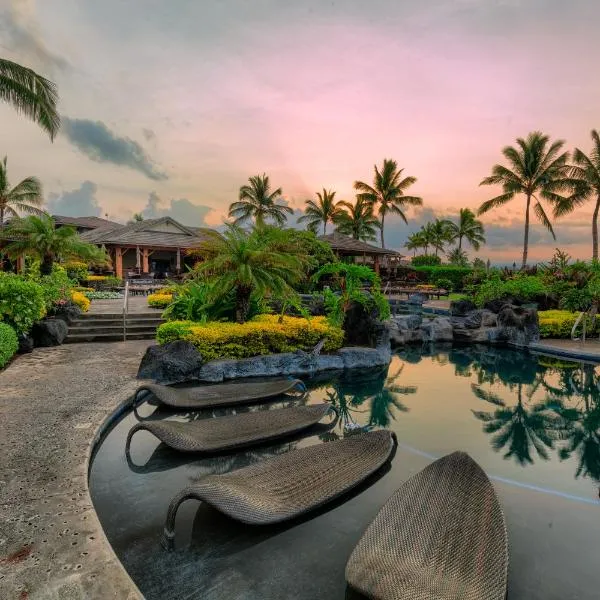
(109, 327)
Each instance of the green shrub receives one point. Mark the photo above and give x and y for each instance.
(76, 270)
(159, 300)
(21, 302)
(444, 284)
(559, 323)
(456, 275)
(521, 287)
(57, 288)
(8, 343)
(426, 260)
(265, 334)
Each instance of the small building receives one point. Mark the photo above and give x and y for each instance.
(154, 246)
(83, 224)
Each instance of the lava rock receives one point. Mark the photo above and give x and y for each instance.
(68, 313)
(26, 344)
(460, 308)
(498, 304)
(438, 330)
(49, 332)
(480, 318)
(173, 362)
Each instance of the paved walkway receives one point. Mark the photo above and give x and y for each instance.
(51, 403)
(135, 304)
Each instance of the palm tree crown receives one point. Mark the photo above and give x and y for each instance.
(320, 212)
(468, 227)
(387, 192)
(356, 220)
(586, 179)
(537, 170)
(258, 202)
(38, 236)
(31, 94)
(25, 196)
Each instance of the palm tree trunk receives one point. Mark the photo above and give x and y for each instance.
(1, 216)
(460, 237)
(324, 227)
(47, 264)
(382, 225)
(526, 235)
(595, 230)
(242, 303)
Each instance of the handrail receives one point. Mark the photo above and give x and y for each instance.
(576, 324)
(125, 308)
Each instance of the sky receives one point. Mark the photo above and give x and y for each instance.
(169, 107)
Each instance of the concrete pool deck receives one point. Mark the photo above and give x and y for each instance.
(51, 403)
(575, 349)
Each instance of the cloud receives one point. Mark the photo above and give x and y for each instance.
(81, 202)
(182, 210)
(98, 142)
(19, 28)
(149, 135)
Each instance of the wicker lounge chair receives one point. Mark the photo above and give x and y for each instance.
(287, 486)
(441, 536)
(237, 431)
(221, 394)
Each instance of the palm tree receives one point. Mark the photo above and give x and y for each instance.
(356, 220)
(468, 227)
(38, 236)
(31, 94)
(416, 241)
(322, 211)
(25, 196)
(438, 234)
(258, 202)
(539, 172)
(387, 191)
(586, 175)
(246, 263)
(458, 257)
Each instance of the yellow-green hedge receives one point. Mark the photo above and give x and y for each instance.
(81, 300)
(262, 335)
(160, 300)
(559, 323)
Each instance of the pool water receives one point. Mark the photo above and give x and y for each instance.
(531, 422)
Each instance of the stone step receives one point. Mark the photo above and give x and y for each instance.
(131, 322)
(119, 315)
(107, 337)
(112, 329)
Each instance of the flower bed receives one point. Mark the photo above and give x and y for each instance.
(80, 300)
(263, 335)
(8, 343)
(92, 295)
(559, 323)
(160, 300)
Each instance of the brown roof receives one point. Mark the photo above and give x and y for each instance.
(83, 222)
(144, 233)
(349, 246)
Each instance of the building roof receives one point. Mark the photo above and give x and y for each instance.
(351, 247)
(164, 233)
(84, 222)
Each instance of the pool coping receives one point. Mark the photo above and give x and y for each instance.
(549, 349)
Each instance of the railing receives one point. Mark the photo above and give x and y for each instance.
(583, 315)
(125, 308)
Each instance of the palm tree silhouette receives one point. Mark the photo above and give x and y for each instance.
(386, 399)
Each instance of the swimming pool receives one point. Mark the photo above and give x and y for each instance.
(532, 423)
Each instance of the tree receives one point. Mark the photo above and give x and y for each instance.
(468, 227)
(320, 212)
(25, 196)
(31, 94)
(416, 241)
(38, 236)
(586, 178)
(438, 234)
(387, 192)
(356, 220)
(247, 263)
(258, 202)
(137, 218)
(458, 257)
(539, 172)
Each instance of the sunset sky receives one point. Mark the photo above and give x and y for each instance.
(168, 107)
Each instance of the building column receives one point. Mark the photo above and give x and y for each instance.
(20, 264)
(178, 263)
(118, 262)
(145, 267)
(376, 264)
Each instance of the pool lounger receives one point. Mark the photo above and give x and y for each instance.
(441, 536)
(287, 486)
(236, 431)
(220, 394)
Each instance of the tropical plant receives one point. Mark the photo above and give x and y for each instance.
(320, 212)
(38, 236)
(356, 220)
(21, 302)
(468, 228)
(439, 234)
(426, 260)
(458, 257)
(9, 343)
(416, 241)
(245, 263)
(586, 179)
(258, 202)
(479, 264)
(537, 170)
(31, 94)
(25, 197)
(387, 192)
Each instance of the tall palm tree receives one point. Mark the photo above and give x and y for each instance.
(247, 263)
(538, 170)
(24, 197)
(586, 175)
(468, 227)
(38, 236)
(356, 220)
(416, 241)
(320, 212)
(387, 192)
(31, 94)
(258, 202)
(438, 234)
